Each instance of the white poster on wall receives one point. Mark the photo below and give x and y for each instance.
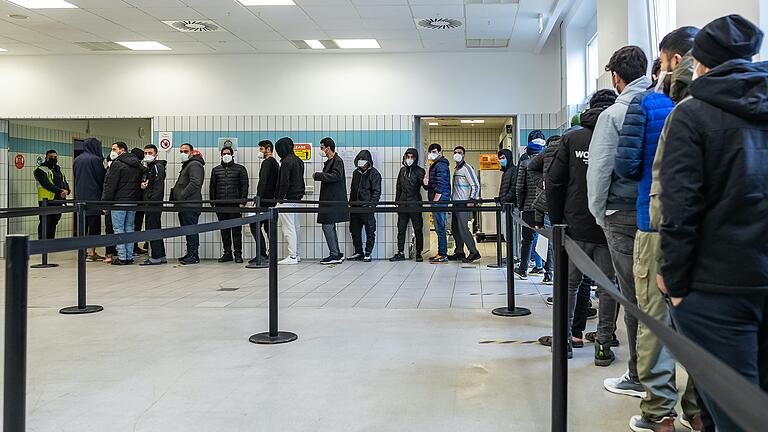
(228, 142)
(165, 140)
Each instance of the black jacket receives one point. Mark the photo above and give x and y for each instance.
(228, 182)
(155, 176)
(526, 184)
(189, 185)
(567, 183)
(89, 171)
(366, 185)
(714, 184)
(410, 179)
(269, 173)
(540, 164)
(123, 180)
(333, 187)
(291, 183)
(59, 181)
(507, 191)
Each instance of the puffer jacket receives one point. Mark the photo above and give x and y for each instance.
(508, 178)
(333, 187)
(123, 180)
(637, 147)
(291, 184)
(410, 179)
(714, 181)
(155, 176)
(366, 185)
(189, 185)
(540, 164)
(439, 179)
(527, 184)
(228, 182)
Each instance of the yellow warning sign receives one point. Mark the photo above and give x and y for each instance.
(303, 151)
(489, 161)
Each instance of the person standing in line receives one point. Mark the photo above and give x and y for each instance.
(89, 171)
(122, 183)
(153, 190)
(139, 222)
(525, 188)
(290, 187)
(537, 137)
(540, 166)
(229, 181)
(189, 187)
(110, 251)
(438, 184)
(466, 187)
(269, 172)
(53, 186)
(507, 193)
(612, 203)
(333, 187)
(366, 186)
(410, 181)
(714, 174)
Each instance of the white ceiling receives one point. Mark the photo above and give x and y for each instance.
(271, 28)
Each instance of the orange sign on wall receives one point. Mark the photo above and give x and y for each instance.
(303, 151)
(489, 161)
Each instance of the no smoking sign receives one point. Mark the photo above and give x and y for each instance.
(165, 140)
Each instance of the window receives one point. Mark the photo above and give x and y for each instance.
(661, 19)
(593, 68)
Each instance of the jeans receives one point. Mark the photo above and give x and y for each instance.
(291, 224)
(50, 224)
(606, 324)
(438, 218)
(358, 221)
(156, 247)
(231, 235)
(417, 221)
(530, 237)
(331, 239)
(256, 230)
(193, 240)
(620, 233)
(461, 233)
(732, 327)
(122, 222)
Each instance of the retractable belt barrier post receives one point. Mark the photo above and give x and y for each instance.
(82, 307)
(44, 234)
(560, 333)
(15, 372)
(510, 310)
(499, 261)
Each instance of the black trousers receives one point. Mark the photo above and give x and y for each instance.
(356, 223)
(231, 235)
(255, 230)
(157, 247)
(137, 224)
(108, 229)
(417, 220)
(51, 221)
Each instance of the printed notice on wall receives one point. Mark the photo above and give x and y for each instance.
(303, 151)
(165, 140)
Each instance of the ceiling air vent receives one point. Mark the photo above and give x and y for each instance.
(487, 43)
(439, 23)
(193, 26)
(101, 46)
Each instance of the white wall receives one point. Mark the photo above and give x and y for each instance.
(149, 85)
(691, 12)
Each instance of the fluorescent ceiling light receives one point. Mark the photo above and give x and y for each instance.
(44, 4)
(314, 44)
(472, 121)
(434, 124)
(3, 50)
(267, 2)
(144, 46)
(357, 43)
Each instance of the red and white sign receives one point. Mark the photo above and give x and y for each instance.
(303, 151)
(19, 161)
(165, 140)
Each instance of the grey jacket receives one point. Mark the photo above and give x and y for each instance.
(189, 185)
(606, 190)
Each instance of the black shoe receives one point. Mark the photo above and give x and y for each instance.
(119, 262)
(239, 258)
(186, 255)
(549, 300)
(191, 259)
(419, 258)
(592, 313)
(264, 259)
(357, 256)
(547, 279)
(536, 271)
(603, 355)
(151, 262)
(438, 259)
(398, 257)
(227, 257)
(590, 336)
(139, 251)
(457, 256)
(367, 257)
(521, 275)
(474, 256)
(338, 259)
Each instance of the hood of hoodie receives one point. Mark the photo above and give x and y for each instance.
(366, 155)
(737, 86)
(93, 146)
(681, 79)
(634, 88)
(413, 152)
(129, 159)
(284, 147)
(161, 162)
(589, 117)
(508, 156)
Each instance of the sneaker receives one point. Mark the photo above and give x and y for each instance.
(289, 260)
(329, 260)
(108, 259)
(575, 343)
(547, 279)
(457, 256)
(264, 259)
(94, 258)
(694, 424)
(520, 275)
(549, 300)
(181, 258)
(239, 258)
(591, 336)
(119, 262)
(419, 258)
(592, 314)
(227, 257)
(398, 257)
(624, 385)
(536, 271)
(191, 259)
(474, 256)
(357, 256)
(603, 355)
(641, 424)
(367, 258)
(438, 259)
(153, 261)
(139, 251)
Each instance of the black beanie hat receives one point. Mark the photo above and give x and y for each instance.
(727, 38)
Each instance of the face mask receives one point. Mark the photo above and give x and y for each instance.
(503, 163)
(226, 159)
(260, 155)
(149, 159)
(660, 84)
(409, 162)
(458, 157)
(362, 163)
(184, 157)
(113, 155)
(433, 156)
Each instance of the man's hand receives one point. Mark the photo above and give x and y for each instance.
(663, 288)
(63, 193)
(145, 184)
(242, 205)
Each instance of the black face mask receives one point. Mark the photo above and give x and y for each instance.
(51, 162)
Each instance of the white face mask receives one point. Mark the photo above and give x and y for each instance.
(362, 163)
(409, 162)
(149, 158)
(660, 84)
(261, 155)
(433, 156)
(113, 155)
(227, 158)
(184, 157)
(458, 157)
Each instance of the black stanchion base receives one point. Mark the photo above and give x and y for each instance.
(49, 265)
(506, 312)
(257, 266)
(497, 266)
(74, 310)
(266, 339)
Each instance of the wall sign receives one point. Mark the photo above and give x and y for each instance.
(303, 151)
(489, 161)
(228, 142)
(19, 161)
(165, 140)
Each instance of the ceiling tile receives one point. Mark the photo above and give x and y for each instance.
(348, 24)
(142, 26)
(443, 11)
(410, 33)
(173, 13)
(380, 2)
(167, 36)
(492, 11)
(189, 47)
(332, 12)
(349, 34)
(273, 45)
(223, 11)
(122, 14)
(402, 12)
(156, 3)
(88, 4)
(310, 3)
(401, 44)
(390, 23)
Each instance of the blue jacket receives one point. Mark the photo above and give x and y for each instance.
(440, 179)
(637, 147)
(88, 169)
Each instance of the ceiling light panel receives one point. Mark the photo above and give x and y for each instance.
(267, 2)
(314, 44)
(3, 50)
(357, 43)
(144, 46)
(473, 121)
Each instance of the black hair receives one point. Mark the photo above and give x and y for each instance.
(328, 142)
(603, 98)
(267, 144)
(51, 151)
(121, 145)
(463, 150)
(227, 148)
(656, 68)
(151, 146)
(629, 63)
(679, 41)
(187, 144)
(535, 134)
(434, 146)
(552, 139)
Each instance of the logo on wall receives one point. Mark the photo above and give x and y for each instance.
(165, 140)
(19, 161)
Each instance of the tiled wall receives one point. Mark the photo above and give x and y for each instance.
(485, 139)
(386, 136)
(550, 124)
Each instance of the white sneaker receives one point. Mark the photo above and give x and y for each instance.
(288, 261)
(624, 386)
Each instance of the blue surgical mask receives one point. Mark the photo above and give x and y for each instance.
(503, 163)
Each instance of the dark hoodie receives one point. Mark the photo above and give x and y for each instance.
(410, 179)
(189, 185)
(88, 169)
(291, 184)
(366, 185)
(507, 188)
(155, 176)
(123, 181)
(714, 182)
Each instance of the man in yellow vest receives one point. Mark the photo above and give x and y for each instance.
(51, 184)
